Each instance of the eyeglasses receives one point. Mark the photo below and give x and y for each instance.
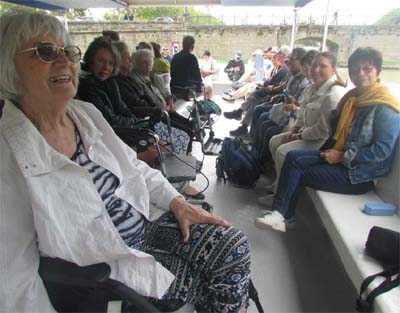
(365, 68)
(48, 52)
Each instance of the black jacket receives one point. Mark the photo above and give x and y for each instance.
(132, 94)
(185, 71)
(105, 95)
(234, 75)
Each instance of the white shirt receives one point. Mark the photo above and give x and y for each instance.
(50, 206)
(210, 66)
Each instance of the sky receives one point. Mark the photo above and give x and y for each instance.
(349, 11)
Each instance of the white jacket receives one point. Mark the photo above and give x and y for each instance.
(50, 206)
(316, 106)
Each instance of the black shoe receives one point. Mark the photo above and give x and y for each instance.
(241, 131)
(235, 114)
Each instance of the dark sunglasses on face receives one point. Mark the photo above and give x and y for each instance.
(48, 52)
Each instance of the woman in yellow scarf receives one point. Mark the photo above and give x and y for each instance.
(360, 149)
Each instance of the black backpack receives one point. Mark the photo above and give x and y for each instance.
(238, 162)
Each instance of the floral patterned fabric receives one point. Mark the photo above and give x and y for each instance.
(212, 268)
(180, 138)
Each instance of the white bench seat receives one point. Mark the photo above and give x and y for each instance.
(348, 228)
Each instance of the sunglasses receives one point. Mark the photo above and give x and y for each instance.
(48, 52)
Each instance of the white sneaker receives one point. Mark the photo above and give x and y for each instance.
(273, 220)
(266, 201)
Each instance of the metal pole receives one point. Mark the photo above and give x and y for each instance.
(326, 27)
(294, 25)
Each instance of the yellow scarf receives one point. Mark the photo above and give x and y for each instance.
(377, 94)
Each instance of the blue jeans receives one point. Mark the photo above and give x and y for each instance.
(306, 168)
(266, 131)
(258, 110)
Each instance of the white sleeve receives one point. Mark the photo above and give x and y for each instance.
(21, 288)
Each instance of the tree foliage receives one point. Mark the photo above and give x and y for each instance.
(391, 18)
(71, 13)
(5, 7)
(147, 14)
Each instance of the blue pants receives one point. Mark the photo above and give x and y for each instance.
(306, 168)
(258, 110)
(267, 130)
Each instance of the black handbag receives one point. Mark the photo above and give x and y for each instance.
(383, 245)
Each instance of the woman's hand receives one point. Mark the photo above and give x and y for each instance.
(171, 107)
(293, 137)
(332, 156)
(290, 107)
(295, 130)
(187, 215)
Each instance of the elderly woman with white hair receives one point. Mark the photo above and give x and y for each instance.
(154, 91)
(70, 188)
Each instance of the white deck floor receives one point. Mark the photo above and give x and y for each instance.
(297, 271)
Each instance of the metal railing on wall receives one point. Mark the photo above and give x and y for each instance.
(284, 19)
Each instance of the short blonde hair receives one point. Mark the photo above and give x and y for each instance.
(16, 30)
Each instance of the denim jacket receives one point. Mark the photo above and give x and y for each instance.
(371, 143)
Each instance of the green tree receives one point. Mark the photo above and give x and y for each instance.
(148, 14)
(5, 7)
(391, 18)
(73, 13)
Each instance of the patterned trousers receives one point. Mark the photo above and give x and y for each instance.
(212, 269)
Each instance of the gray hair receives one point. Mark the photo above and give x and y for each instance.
(16, 30)
(141, 53)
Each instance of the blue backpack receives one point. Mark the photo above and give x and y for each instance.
(239, 161)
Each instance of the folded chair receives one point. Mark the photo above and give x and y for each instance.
(72, 288)
(202, 120)
(176, 168)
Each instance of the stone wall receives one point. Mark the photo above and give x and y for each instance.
(223, 41)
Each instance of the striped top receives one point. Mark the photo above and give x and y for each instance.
(129, 222)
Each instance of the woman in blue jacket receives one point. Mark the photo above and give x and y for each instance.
(359, 150)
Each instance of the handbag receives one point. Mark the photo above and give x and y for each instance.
(383, 245)
(278, 115)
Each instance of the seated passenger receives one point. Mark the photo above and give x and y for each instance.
(209, 69)
(246, 85)
(262, 95)
(185, 70)
(165, 54)
(311, 128)
(235, 67)
(279, 117)
(70, 188)
(360, 148)
(158, 96)
(97, 83)
(160, 65)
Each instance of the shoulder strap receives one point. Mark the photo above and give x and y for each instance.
(1, 107)
(253, 295)
(366, 305)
